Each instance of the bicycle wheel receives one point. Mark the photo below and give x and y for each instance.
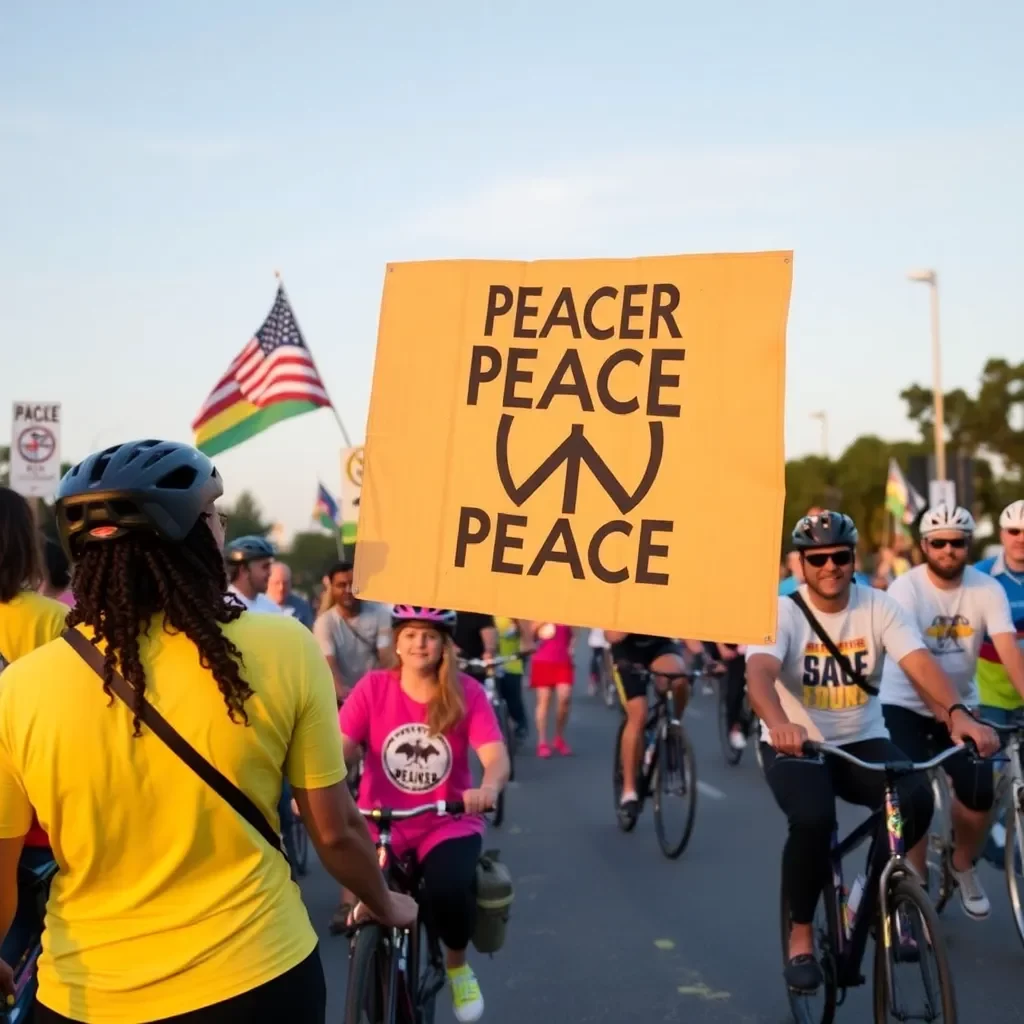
(369, 974)
(1014, 851)
(674, 777)
(300, 843)
(820, 1007)
(729, 752)
(916, 941)
(508, 735)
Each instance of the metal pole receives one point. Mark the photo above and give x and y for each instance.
(940, 409)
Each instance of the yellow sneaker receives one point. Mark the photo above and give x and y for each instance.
(466, 997)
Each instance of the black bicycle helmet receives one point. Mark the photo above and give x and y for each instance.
(159, 487)
(825, 530)
(248, 549)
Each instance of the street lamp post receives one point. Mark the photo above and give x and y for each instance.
(823, 417)
(930, 278)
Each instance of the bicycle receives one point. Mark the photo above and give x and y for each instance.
(33, 884)
(385, 982)
(891, 894)
(668, 766)
(492, 670)
(941, 883)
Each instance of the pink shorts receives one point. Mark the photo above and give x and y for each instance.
(545, 674)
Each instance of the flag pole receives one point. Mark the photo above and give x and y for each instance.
(337, 415)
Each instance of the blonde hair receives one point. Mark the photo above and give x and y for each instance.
(447, 706)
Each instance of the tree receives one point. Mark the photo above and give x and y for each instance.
(245, 519)
(982, 427)
(309, 557)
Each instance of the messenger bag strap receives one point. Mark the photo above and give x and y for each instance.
(841, 659)
(166, 732)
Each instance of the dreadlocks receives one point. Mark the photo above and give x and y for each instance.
(119, 586)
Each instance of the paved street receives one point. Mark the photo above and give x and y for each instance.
(604, 929)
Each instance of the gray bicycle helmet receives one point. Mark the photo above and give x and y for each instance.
(826, 530)
(158, 487)
(248, 549)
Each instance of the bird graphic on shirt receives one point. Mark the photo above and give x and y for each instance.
(418, 751)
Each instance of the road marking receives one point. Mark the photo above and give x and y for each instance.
(701, 991)
(664, 944)
(710, 791)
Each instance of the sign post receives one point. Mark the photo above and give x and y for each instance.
(35, 449)
(594, 442)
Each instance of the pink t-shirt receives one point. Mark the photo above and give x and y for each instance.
(553, 643)
(405, 766)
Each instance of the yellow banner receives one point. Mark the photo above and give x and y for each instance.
(592, 442)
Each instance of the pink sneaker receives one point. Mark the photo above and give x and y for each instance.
(543, 750)
(562, 747)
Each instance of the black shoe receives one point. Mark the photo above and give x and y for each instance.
(628, 813)
(803, 974)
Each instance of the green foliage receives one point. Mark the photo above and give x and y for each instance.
(245, 518)
(309, 557)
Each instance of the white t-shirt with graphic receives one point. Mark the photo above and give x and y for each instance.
(953, 624)
(814, 690)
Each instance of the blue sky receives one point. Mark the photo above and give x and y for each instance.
(159, 161)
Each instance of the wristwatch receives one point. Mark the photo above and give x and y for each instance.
(959, 707)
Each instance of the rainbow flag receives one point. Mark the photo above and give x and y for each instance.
(272, 379)
(901, 500)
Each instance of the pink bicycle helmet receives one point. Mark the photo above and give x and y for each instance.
(443, 618)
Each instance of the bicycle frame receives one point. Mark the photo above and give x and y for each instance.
(404, 964)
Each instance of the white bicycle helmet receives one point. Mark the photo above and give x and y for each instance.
(1013, 516)
(942, 517)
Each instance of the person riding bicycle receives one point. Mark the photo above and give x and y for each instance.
(27, 621)
(656, 654)
(168, 901)
(249, 563)
(419, 722)
(954, 607)
(834, 699)
(1000, 701)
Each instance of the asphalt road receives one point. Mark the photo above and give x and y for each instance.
(605, 929)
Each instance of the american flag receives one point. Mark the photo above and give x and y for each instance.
(275, 366)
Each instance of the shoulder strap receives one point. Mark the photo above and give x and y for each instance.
(841, 659)
(164, 731)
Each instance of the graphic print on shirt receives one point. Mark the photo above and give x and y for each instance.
(946, 634)
(415, 761)
(825, 686)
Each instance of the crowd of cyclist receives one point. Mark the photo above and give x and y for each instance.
(173, 899)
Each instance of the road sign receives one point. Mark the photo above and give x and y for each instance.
(942, 492)
(351, 483)
(35, 448)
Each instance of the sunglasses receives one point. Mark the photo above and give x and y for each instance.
(1014, 531)
(837, 558)
(942, 543)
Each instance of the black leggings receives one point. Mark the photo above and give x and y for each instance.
(449, 889)
(298, 996)
(735, 685)
(807, 791)
(510, 686)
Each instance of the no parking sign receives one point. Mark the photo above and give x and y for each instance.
(35, 448)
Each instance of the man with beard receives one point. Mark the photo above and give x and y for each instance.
(955, 606)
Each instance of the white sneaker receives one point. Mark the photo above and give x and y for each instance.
(467, 1000)
(972, 895)
(737, 740)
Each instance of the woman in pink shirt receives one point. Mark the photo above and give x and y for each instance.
(418, 723)
(552, 668)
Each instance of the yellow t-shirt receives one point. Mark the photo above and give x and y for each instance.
(508, 642)
(28, 621)
(166, 900)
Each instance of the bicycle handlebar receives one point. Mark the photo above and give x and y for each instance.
(444, 807)
(1005, 730)
(498, 659)
(906, 767)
